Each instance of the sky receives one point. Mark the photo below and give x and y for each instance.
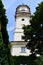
(10, 6)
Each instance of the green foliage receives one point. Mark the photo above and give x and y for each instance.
(3, 21)
(39, 60)
(1, 41)
(4, 52)
(34, 32)
(17, 60)
(4, 49)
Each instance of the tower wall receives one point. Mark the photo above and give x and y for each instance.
(20, 21)
(16, 49)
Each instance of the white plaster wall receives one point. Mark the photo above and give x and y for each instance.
(18, 29)
(20, 23)
(18, 37)
(16, 50)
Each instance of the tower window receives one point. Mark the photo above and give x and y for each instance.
(23, 19)
(23, 49)
(23, 10)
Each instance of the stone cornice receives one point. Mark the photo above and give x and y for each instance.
(18, 43)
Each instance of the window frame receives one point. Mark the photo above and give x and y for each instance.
(23, 49)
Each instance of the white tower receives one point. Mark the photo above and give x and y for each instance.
(22, 17)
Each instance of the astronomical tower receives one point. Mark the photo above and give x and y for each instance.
(22, 17)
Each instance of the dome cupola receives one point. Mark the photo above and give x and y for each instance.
(22, 8)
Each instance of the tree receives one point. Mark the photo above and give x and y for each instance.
(34, 32)
(39, 61)
(4, 40)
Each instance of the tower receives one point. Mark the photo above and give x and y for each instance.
(22, 17)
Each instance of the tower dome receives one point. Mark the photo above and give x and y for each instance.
(22, 8)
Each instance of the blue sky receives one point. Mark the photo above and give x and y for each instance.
(10, 6)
